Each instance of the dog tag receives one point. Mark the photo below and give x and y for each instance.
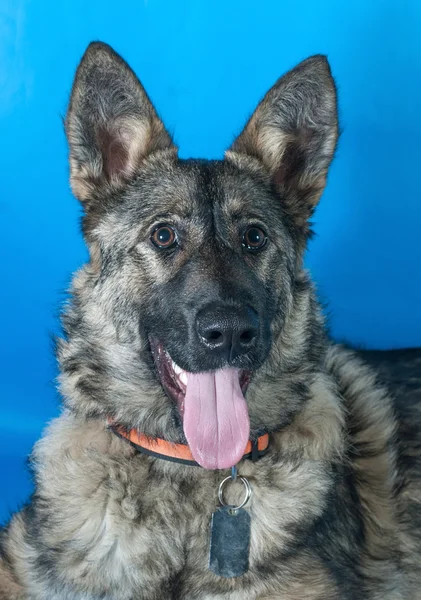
(230, 541)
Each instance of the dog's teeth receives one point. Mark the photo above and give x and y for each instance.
(183, 377)
(176, 368)
(180, 373)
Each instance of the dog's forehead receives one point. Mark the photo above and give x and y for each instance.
(199, 188)
(197, 195)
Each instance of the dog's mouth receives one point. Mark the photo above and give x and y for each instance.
(212, 408)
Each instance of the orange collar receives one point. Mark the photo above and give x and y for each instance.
(180, 452)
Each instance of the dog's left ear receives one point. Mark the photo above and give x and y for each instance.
(293, 133)
(111, 124)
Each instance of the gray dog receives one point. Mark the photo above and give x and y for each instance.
(214, 444)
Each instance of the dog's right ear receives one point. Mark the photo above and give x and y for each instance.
(111, 124)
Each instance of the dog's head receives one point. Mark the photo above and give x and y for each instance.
(194, 298)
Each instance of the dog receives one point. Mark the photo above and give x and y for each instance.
(214, 444)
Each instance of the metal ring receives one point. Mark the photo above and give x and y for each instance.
(221, 489)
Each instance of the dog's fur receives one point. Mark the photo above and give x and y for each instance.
(335, 502)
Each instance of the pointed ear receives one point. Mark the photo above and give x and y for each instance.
(293, 133)
(111, 124)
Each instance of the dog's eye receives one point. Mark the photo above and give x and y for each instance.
(164, 236)
(254, 238)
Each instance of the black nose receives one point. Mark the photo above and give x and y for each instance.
(226, 330)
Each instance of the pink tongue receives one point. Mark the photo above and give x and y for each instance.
(216, 421)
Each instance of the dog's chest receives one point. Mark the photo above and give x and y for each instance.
(132, 529)
(161, 533)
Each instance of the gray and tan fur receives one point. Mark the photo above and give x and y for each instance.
(335, 509)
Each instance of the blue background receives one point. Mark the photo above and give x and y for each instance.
(205, 65)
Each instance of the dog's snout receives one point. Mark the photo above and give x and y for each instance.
(226, 330)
